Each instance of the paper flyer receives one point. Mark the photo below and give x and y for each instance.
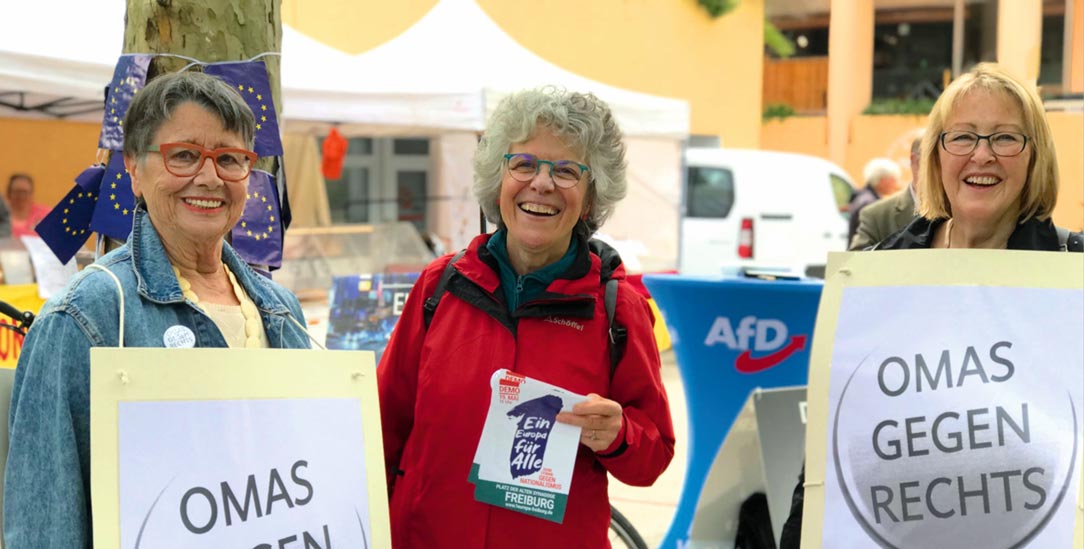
(525, 458)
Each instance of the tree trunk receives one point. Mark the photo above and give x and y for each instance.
(207, 30)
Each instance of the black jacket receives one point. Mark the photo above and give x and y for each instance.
(1030, 234)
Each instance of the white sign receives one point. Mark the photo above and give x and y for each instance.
(239, 448)
(243, 473)
(955, 417)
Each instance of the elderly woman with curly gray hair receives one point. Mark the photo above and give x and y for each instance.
(529, 298)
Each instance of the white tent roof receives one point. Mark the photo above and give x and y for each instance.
(446, 72)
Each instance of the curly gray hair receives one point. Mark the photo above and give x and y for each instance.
(587, 126)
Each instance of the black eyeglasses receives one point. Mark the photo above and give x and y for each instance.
(963, 143)
(524, 167)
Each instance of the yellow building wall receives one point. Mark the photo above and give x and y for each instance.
(891, 136)
(671, 48)
(53, 152)
(664, 47)
(1068, 129)
(796, 134)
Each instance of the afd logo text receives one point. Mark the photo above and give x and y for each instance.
(763, 335)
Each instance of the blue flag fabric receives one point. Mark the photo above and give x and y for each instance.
(116, 203)
(249, 78)
(257, 237)
(128, 78)
(90, 178)
(67, 227)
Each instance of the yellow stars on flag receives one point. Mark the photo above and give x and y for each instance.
(256, 198)
(259, 101)
(118, 178)
(68, 228)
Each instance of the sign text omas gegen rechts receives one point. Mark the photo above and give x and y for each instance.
(953, 431)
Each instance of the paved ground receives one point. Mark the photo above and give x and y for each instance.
(652, 509)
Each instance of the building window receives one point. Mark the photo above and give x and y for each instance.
(383, 180)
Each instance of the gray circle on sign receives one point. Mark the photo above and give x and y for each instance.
(857, 469)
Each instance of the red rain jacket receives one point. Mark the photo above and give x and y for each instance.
(434, 396)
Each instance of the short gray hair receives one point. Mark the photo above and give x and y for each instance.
(583, 121)
(155, 103)
(879, 168)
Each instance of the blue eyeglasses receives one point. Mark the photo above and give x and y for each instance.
(524, 167)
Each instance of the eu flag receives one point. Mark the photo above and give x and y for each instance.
(113, 213)
(67, 227)
(128, 77)
(249, 78)
(257, 237)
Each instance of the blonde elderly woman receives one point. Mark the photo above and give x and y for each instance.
(989, 173)
(529, 297)
(187, 146)
(988, 178)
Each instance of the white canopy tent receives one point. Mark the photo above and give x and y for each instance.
(441, 78)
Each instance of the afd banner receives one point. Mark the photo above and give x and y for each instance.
(236, 448)
(955, 400)
(731, 337)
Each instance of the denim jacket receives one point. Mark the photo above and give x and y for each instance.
(47, 483)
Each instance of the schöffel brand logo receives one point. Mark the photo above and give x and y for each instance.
(766, 335)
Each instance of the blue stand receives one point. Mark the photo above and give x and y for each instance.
(716, 326)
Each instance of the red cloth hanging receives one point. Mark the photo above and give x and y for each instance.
(334, 154)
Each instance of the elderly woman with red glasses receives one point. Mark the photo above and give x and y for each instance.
(187, 147)
(528, 298)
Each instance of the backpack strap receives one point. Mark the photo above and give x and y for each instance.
(1069, 241)
(618, 334)
(1063, 238)
(431, 302)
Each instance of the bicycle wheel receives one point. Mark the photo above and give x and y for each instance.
(622, 534)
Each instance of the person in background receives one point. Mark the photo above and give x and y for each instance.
(882, 179)
(549, 170)
(891, 214)
(23, 211)
(187, 145)
(988, 179)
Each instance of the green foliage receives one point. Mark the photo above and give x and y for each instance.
(715, 8)
(777, 110)
(776, 42)
(900, 106)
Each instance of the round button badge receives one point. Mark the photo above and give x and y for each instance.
(179, 337)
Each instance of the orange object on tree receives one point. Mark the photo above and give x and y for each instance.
(334, 154)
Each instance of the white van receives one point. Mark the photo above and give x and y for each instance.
(761, 210)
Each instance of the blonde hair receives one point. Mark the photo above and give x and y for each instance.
(1041, 188)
